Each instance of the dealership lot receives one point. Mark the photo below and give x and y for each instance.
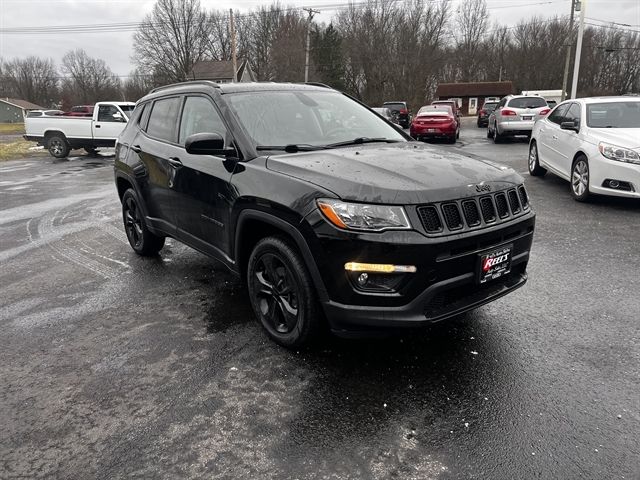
(115, 365)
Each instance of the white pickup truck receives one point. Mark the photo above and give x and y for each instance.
(61, 134)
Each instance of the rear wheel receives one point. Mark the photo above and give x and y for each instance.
(58, 146)
(489, 131)
(91, 150)
(140, 238)
(535, 169)
(282, 294)
(580, 179)
(497, 138)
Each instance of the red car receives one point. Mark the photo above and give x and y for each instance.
(80, 111)
(435, 121)
(452, 103)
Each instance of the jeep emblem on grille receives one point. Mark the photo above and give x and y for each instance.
(483, 188)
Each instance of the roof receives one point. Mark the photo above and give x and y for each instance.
(217, 69)
(16, 102)
(474, 89)
(202, 85)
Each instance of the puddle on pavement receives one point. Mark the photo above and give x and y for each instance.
(226, 306)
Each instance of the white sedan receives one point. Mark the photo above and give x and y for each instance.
(594, 143)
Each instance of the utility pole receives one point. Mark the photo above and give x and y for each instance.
(234, 60)
(567, 59)
(576, 65)
(311, 13)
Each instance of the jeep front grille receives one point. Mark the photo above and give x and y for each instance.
(430, 219)
(474, 213)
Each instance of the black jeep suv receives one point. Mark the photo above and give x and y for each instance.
(327, 210)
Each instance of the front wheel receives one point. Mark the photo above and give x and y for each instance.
(282, 294)
(580, 179)
(142, 241)
(535, 170)
(58, 146)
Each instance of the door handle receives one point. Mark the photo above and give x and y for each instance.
(174, 162)
(97, 126)
(136, 148)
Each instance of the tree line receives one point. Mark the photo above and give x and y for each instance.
(375, 50)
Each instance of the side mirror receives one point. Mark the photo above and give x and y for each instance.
(118, 117)
(207, 144)
(570, 126)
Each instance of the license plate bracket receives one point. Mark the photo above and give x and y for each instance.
(527, 117)
(493, 264)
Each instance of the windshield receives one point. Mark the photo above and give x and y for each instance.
(614, 115)
(317, 118)
(528, 102)
(127, 109)
(490, 106)
(396, 107)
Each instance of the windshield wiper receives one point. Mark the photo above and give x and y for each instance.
(360, 141)
(292, 148)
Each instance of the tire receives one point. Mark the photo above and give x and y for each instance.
(457, 134)
(58, 146)
(497, 138)
(580, 179)
(451, 139)
(142, 241)
(282, 294)
(91, 150)
(489, 132)
(535, 170)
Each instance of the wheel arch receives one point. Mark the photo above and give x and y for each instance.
(254, 225)
(50, 133)
(579, 153)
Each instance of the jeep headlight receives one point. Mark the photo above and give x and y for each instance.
(364, 217)
(620, 154)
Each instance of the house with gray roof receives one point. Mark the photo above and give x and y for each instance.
(14, 110)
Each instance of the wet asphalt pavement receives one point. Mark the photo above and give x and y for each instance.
(116, 366)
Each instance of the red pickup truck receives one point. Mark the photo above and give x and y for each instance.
(80, 111)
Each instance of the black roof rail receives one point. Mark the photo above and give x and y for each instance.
(318, 84)
(189, 82)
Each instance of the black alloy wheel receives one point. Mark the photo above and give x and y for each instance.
(140, 238)
(282, 293)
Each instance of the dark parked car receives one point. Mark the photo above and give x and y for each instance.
(484, 112)
(400, 111)
(328, 212)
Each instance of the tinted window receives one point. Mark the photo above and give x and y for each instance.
(614, 115)
(502, 102)
(528, 102)
(200, 116)
(557, 116)
(164, 115)
(106, 113)
(489, 106)
(573, 114)
(396, 107)
(127, 109)
(314, 117)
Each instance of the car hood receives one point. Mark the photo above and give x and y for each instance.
(621, 137)
(402, 173)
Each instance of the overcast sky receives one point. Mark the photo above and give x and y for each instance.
(115, 48)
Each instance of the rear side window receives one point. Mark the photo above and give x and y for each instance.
(200, 116)
(163, 119)
(528, 102)
(557, 116)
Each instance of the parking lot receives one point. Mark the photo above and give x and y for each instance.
(118, 366)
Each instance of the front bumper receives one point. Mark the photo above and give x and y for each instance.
(603, 170)
(443, 286)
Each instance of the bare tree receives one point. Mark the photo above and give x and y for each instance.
(172, 38)
(33, 78)
(468, 30)
(89, 80)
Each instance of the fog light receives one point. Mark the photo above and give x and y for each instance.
(379, 268)
(363, 278)
(614, 183)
